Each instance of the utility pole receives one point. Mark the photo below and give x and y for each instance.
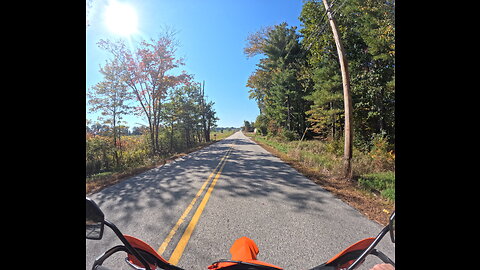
(347, 98)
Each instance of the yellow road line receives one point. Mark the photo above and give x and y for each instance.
(177, 253)
(167, 240)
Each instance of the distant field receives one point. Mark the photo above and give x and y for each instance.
(217, 135)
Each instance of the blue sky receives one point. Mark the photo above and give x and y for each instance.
(212, 35)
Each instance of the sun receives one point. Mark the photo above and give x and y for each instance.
(121, 19)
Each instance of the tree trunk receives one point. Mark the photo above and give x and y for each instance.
(288, 114)
(204, 112)
(115, 150)
(347, 99)
(333, 121)
(171, 137)
(152, 137)
(157, 145)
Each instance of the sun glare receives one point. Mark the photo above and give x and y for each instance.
(121, 18)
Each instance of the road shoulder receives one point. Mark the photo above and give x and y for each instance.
(372, 206)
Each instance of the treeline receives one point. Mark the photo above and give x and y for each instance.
(146, 82)
(298, 85)
(105, 130)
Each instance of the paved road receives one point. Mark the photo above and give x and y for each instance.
(295, 223)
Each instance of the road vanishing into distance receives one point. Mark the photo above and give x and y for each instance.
(192, 210)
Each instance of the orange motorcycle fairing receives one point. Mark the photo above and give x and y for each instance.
(341, 260)
(139, 244)
(245, 250)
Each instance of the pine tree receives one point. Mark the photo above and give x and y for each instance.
(275, 84)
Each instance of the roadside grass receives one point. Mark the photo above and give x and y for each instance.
(372, 190)
(382, 182)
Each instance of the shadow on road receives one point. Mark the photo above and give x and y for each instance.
(248, 173)
(162, 187)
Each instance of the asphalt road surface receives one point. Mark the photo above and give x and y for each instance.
(295, 223)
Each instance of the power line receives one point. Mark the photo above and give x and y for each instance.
(323, 24)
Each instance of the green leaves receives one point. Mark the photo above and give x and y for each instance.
(277, 82)
(368, 34)
(148, 78)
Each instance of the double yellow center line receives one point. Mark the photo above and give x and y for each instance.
(177, 253)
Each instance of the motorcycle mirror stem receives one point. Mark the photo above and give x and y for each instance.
(96, 217)
(127, 244)
(391, 224)
(379, 237)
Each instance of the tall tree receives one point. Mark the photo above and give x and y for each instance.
(188, 110)
(111, 98)
(366, 29)
(211, 118)
(149, 74)
(373, 78)
(275, 84)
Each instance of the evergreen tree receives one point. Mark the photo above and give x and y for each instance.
(368, 33)
(275, 84)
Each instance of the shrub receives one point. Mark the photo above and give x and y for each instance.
(335, 147)
(132, 152)
(99, 156)
(287, 135)
(382, 155)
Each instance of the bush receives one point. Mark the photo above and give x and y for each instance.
(335, 147)
(261, 123)
(132, 152)
(99, 156)
(287, 135)
(383, 157)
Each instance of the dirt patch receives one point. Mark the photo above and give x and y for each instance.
(370, 204)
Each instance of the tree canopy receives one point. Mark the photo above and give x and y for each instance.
(148, 77)
(298, 85)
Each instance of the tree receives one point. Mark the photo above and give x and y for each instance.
(374, 76)
(366, 29)
(111, 97)
(368, 33)
(327, 106)
(170, 116)
(247, 127)
(207, 113)
(188, 110)
(148, 73)
(211, 117)
(261, 122)
(256, 42)
(137, 131)
(276, 84)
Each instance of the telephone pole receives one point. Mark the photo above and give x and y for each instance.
(347, 98)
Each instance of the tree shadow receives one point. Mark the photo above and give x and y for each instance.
(163, 187)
